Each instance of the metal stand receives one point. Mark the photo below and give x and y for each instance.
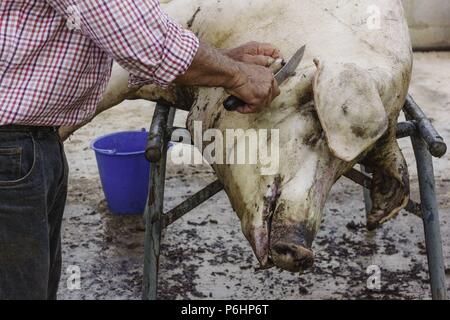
(157, 154)
(426, 143)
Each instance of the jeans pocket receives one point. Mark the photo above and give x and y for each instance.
(10, 159)
(17, 160)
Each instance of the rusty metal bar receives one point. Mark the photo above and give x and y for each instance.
(159, 141)
(430, 216)
(366, 191)
(429, 134)
(193, 201)
(406, 129)
(157, 133)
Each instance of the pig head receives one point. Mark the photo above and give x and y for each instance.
(340, 108)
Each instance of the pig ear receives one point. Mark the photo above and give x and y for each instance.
(349, 108)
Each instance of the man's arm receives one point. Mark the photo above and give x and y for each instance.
(252, 83)
(155, 49)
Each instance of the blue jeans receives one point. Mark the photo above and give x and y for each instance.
(33, 190)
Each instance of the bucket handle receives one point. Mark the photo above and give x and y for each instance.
(106, 151)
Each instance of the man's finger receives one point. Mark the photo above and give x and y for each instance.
(267, 49)
(258, 60)
(246, 109)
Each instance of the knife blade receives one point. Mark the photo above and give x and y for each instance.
(288, 70)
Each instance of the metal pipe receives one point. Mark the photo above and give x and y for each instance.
(157, 130)
(191, 203)
(366, 190)
(155, 206)
(406, 129)
(433, 140)
(430, 216)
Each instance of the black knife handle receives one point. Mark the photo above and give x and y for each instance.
(232, 103)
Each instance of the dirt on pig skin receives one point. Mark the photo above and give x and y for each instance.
(205, 255)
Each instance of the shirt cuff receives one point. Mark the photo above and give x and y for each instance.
(179, 50)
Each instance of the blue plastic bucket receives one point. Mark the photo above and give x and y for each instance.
(124, 170)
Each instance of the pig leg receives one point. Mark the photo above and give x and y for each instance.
(390, 187)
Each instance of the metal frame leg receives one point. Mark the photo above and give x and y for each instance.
(426, 143)
(163, 118)
(366, 193)
(430, 216)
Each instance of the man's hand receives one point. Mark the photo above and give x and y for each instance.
(265, 88)
(262, 54)
(256, 86)
(252, 83)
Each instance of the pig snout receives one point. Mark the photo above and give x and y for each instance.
(290, 245)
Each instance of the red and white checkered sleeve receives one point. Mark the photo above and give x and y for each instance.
(135, 33)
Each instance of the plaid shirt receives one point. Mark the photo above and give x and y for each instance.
(56, 55)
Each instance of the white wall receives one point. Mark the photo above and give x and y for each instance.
(429, 22)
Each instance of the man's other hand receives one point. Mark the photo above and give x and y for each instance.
(262, 54)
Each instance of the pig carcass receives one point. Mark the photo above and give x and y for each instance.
(339, 109)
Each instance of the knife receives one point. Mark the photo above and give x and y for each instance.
(232, 102)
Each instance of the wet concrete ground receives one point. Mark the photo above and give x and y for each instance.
(205, 255)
